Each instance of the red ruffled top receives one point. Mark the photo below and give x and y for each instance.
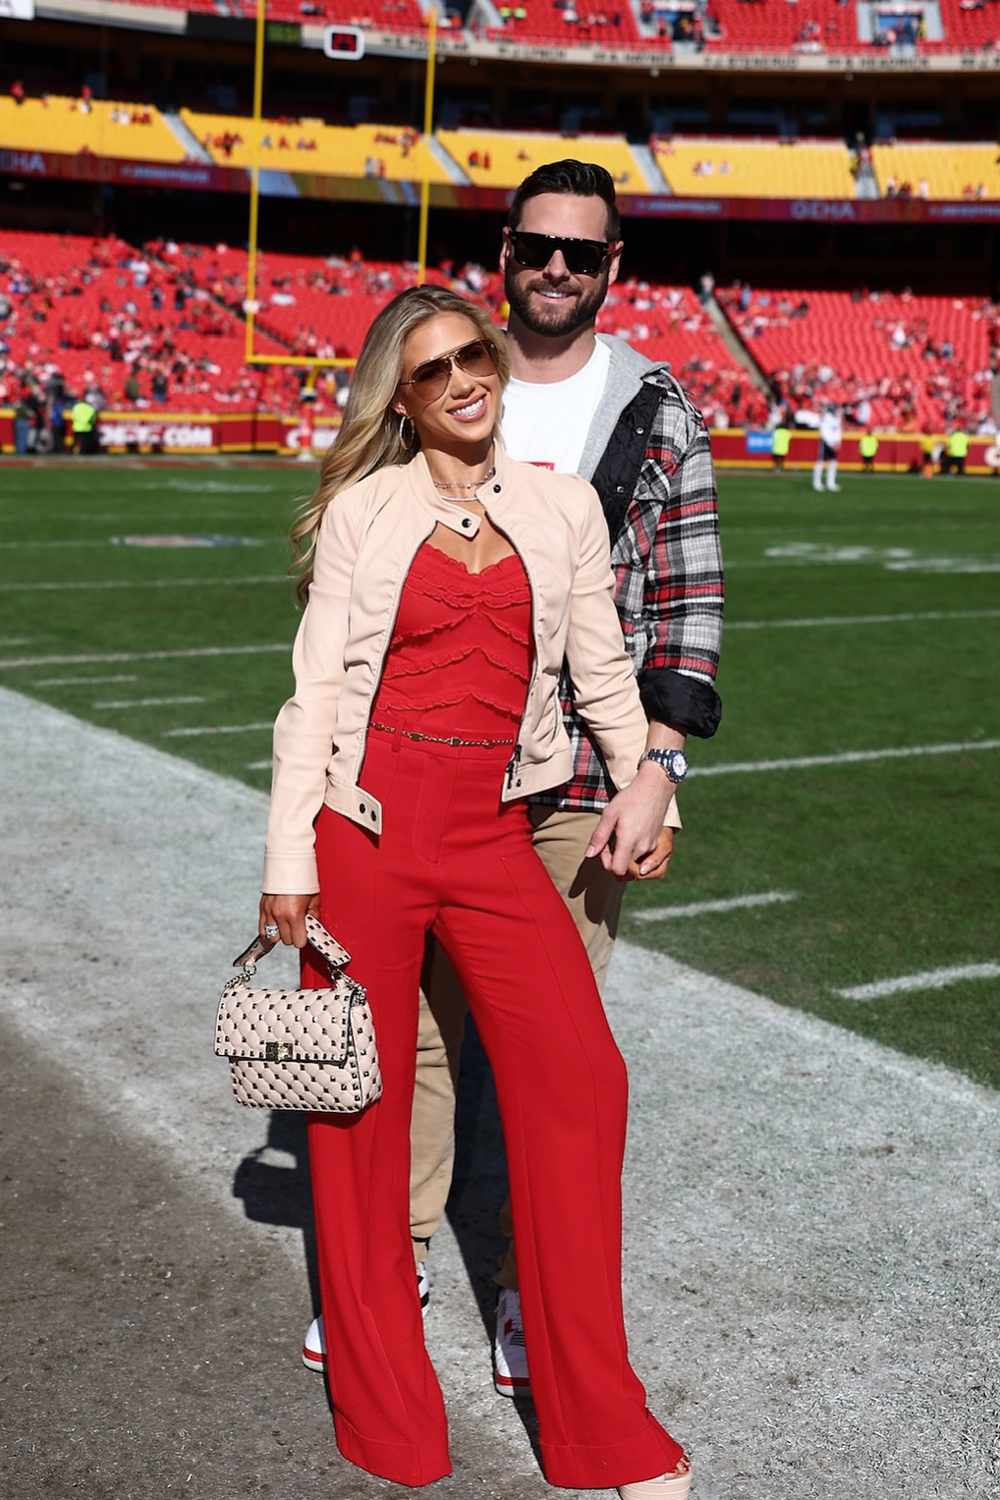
(460, 657)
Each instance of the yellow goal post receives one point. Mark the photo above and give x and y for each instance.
(314, 362)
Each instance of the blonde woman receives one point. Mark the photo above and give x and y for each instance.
(445, 586)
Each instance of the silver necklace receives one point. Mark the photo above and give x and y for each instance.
(456, 484)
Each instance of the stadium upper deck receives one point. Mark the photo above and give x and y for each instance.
(807, 29)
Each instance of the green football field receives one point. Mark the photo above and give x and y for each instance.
(863, 635)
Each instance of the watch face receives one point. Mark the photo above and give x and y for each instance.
(679, 763)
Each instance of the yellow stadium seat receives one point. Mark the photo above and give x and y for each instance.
(137, 132)
(756, 169)
(947, 171)
(393, 152)
(493, 158)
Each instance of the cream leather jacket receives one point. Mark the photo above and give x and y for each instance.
(368, 539)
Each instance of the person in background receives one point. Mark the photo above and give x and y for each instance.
(781, 441)
(830, 435)
(83, 420)
(25, 412)
(928, 449)
(868, 447)
(956, 451)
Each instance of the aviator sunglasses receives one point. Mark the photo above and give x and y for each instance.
(430, 380)
(534, 251)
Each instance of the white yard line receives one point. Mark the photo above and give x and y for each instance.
(930, 979)
(259, 765)
(150, 702)
(16, 640)
(229, 581)
(176, 734)
(84, 681)
(845, 758)
(88, 658)
(706, 908)
(903, 618)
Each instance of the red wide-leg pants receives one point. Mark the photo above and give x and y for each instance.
(451, 860)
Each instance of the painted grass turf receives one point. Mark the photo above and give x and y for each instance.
(895, 863)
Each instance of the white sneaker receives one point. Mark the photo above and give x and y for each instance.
(314, 1348)
(510, 1359)
(834, 489)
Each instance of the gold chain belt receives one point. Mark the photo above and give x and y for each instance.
(439, 739)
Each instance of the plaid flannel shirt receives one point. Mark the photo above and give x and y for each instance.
(668, 566)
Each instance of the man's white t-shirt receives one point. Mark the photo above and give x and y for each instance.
(547, 424)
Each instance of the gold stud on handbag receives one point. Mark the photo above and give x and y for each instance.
(299, 1049)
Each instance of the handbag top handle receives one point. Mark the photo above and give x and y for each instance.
(319, 938)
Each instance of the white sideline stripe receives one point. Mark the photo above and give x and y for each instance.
(704, 908)
(259, 765)
(84, 681)
(10, 663)
(931, 979)
(150, 702)
(904, 617)
(176, 734)
(847, 758)
(230, 581)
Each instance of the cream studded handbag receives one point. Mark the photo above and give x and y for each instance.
(299, 1049)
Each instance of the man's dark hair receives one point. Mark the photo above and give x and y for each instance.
(582, 179)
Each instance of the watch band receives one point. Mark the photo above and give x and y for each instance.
(673, 763)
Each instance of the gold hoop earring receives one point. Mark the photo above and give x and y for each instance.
(406, 438)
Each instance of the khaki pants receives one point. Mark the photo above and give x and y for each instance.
(594, 898)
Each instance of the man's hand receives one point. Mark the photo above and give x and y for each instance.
(633, 820)
(657, 862)
(288, 914)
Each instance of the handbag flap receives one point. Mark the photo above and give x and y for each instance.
(287, 1025)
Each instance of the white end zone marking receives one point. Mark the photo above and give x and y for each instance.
(230, 581)
(150, 702)
(931, 979)
(91, 658)
(176, 734)
(706, 908)
(902, 618)
(846, 758)
(84, 681)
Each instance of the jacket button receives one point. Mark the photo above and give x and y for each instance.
(639, 431)
(362, 807)
(496, 489)
(374, 816)
(466, 522)
(619, 488)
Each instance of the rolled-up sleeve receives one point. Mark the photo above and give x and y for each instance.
(304, 728)
(684, 592)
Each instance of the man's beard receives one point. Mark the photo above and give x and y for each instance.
(555, 320)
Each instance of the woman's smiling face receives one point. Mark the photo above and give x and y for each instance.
(463, 410)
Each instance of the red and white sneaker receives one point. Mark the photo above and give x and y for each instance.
(510, 1359)
(314, 1348)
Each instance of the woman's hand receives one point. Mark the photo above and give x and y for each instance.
(288, 914)
(634, 820)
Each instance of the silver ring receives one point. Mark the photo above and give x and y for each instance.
(272, 930)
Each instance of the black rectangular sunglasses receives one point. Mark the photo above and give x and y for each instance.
(534, 251)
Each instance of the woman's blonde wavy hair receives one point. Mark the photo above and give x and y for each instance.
(370, 436)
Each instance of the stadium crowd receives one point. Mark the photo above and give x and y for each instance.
(144, 328)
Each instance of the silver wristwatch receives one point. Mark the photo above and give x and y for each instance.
(673, 763)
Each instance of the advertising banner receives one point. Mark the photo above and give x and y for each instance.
(197, 434)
